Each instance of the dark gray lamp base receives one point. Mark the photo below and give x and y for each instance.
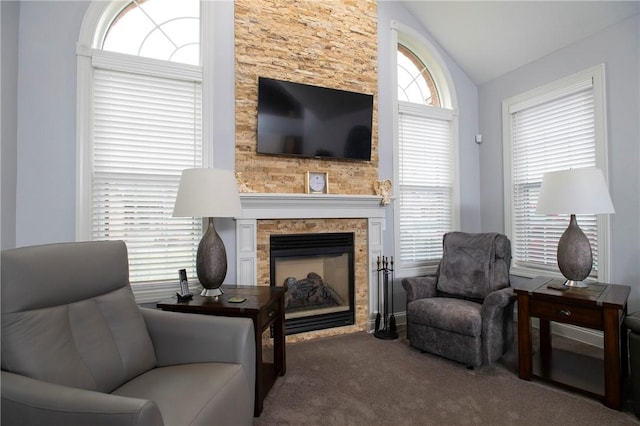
(574, 255)
(211, 262)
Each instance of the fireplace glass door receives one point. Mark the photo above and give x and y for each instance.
(318, 271)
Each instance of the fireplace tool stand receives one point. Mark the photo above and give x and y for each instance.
(389, 331)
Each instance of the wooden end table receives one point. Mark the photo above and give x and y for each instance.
(265, 306)
(601, 307)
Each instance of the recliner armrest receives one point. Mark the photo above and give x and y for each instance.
(498, 300)
(31, 401)
(420, 287)
(181, 338)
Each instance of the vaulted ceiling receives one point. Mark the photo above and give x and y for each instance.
(490, 38)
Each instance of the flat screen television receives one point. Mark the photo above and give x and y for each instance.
(301, 120)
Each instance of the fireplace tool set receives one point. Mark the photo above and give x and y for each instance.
(385, 277)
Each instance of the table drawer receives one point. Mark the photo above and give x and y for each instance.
(566, 313)
(268, 314)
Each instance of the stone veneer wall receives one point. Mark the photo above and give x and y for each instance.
(331, 43)
(305, 226)
(324, 43)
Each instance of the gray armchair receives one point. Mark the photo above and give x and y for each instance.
(77, 349)
(465, 311)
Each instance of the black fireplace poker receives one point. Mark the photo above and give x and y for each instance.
(388, 320)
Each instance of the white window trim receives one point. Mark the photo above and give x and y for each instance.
(535, 96)
(97, 19)
(448, 99)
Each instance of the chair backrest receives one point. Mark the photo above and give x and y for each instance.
(69, 315)
(474, 264)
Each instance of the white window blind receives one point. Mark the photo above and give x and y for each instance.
(425, 185)
(146, 130)
(553, 132)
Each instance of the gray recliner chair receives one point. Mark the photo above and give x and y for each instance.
(465, 311)
(77, 349)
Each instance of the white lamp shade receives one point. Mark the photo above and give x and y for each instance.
(207, 193)
(574, 191)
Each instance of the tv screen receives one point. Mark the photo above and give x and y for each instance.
(310, 121)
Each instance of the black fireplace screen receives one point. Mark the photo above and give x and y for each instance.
(318, 271)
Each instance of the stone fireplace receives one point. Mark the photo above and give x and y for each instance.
(266, 214)
(277, 205)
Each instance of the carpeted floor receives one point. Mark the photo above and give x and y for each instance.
(357, 379)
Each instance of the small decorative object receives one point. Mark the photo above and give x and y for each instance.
(316, 183)
(383, 188)
(242, 185)
(385, 274)
(574, 191)
(209, 193)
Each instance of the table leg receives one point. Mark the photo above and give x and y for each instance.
(260, 380)
(525, 352)
(545, 339)
(279, 354)
(544, 327)
(624, 345)
(612, 355)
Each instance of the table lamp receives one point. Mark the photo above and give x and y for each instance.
(574, 191)
(209, 193)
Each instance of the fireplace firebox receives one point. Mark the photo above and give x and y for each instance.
(318, 271)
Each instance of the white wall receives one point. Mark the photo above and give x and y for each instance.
(10, 16)
(618, 48)
(45, 205)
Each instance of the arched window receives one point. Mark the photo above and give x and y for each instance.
(159, 29)
(424, 160)
(415, 83)
(140, 125)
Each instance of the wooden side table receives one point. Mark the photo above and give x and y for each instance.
(265, 306)
(600, 307)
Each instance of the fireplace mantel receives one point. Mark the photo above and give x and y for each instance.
(310, 206)
(257, 206)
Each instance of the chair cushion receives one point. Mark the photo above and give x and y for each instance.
(49, 275)
(96, 344)
(454, 315)
(192, 394)
(73, 303)
(474, 265)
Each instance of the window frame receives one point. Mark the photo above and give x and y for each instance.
(538, 96)
(95, 24)
(436, 66)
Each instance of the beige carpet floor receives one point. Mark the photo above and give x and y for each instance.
(357, 379)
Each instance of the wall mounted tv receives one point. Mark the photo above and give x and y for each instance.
(309, 121)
